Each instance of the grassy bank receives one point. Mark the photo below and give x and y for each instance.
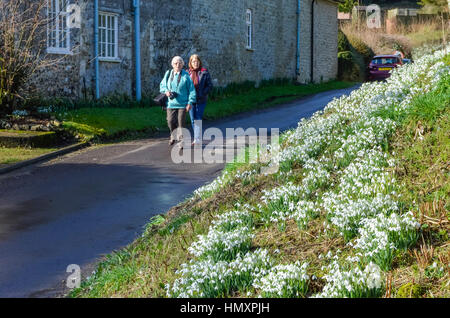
(422, 148)
(111, 122)
(358, 208)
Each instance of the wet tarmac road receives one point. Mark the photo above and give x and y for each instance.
(81, 206)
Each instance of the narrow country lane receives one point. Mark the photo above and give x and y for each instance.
(79, 207)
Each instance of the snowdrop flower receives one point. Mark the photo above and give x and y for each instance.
(284, 281)
(342, 151)
(351, 281)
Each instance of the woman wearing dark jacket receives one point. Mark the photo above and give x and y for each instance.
(203, 85)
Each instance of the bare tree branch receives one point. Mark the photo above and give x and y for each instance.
(24, 27)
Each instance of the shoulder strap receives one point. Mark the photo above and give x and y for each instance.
(169, 74)
(171, 77)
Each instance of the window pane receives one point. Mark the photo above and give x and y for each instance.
(52, 41)
(63, 6)
(58, 31)
(107, 34)
(103, 41)
(64, 39)
(60, 35)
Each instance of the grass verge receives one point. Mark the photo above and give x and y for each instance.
(422, 147)
(14, 155)
(145, 266)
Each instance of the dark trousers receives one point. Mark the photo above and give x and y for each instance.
(176, 117)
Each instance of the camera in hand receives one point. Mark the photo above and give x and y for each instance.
(173, 95)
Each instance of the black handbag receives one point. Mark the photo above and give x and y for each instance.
(161, 100)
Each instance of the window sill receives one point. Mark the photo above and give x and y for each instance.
(52, 50)
(110, 59)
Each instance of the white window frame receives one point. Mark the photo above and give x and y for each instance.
(103, 26)
(249, 29)
(64, 16)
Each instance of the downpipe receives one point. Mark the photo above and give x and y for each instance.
(297, 69)
(312, 40)
(137, 41)
(96, 53)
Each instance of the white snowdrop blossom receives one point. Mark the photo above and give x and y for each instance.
(246, 174)
(213, 187)
(381, 235)
(46, 110)
(284, 281)
(20, 113)
(343, 151)
(285, 202)
(222, 245)
(304, 212)
(281, 196)
(352, 281)
(347, 214)
(232, 220)
(208, 278)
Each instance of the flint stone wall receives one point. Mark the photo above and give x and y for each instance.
(214, 29)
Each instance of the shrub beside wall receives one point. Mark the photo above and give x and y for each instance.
(353, 58)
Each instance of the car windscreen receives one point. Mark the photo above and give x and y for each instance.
(384, 60)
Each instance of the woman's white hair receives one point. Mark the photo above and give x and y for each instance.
(178, 58)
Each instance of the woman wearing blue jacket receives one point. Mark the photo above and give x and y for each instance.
(180, 90)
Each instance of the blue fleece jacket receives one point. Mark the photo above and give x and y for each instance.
(184, 88)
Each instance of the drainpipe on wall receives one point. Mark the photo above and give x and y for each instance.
(137, 39)
(96, 61)
(297, 70)
(312, 41)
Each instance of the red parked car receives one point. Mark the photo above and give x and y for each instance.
(381, 65)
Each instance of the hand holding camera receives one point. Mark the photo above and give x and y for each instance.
(173, 95)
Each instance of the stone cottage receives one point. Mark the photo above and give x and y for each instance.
(238, 40)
